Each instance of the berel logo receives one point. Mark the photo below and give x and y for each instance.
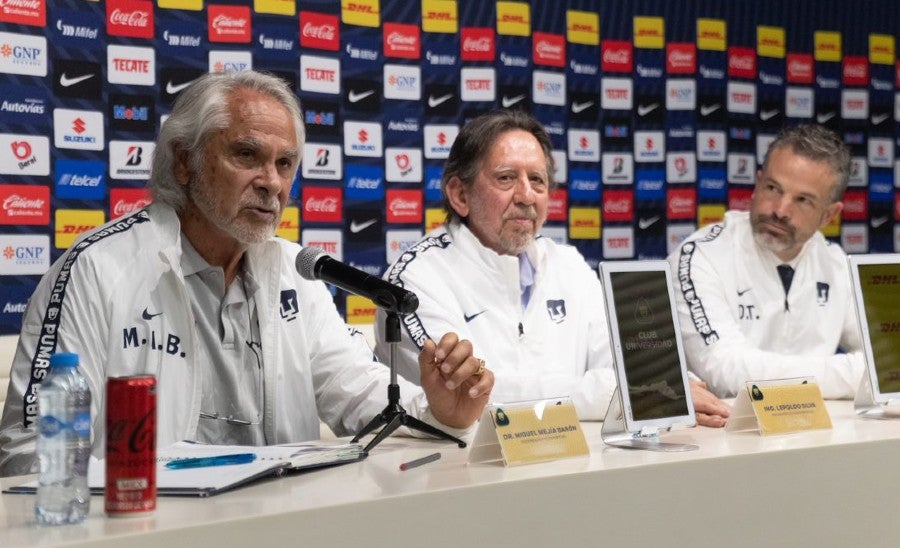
(404, 206)
(125, 201)
(401, 41)
(548, 49)
(24, 12)
(681, 58)
(477, 44)
(618, 205)
(319, 31)
(24, 154)
(130, 160)
(322, 204)
(130, 65)
(229, 24)
(131, 18)
(320, 74)
(24, 205)
(403, 165)
(617, 56)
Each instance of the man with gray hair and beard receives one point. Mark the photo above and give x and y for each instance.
(763, 295)
(532, 308)
(196, 290)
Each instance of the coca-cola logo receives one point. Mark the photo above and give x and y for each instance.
(322, 205)
(16, 202)
(621, 205)
(320, 32)
(124, 207)
(136, 18)
(741, 62)
(481, 44)
(141, 439)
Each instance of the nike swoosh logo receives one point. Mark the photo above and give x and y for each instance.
(706, 110)
(435, 101)
(822, 118)
(147, 315)
(510, 101)
(581, 107)
(643, 224)
(172, 89)
(765, 115)
(359, 227)
(644, 110)
(469, 318)
(878, 221)
(878, 118)
(741, 293)
(65, 81)
(354, 97)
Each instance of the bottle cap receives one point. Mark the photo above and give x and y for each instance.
(64, 359)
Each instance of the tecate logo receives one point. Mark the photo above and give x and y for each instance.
(124, 207)
(482, 44)
(323, 205)
(16, 205)
(225, 23)
(136, 18)
(321, 32)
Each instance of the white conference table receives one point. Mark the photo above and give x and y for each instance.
(838, 487)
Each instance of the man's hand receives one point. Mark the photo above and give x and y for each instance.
(456, 383)
(709, 410)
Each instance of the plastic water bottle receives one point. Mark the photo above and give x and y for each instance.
(64, 443)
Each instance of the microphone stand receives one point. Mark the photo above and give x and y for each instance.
(393, 416)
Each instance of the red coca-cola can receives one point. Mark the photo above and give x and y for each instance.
(130, 445)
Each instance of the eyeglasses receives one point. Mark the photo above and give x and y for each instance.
(254, 347)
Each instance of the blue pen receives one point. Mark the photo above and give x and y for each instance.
(218, 460)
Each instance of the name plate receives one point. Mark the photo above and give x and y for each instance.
(526, 432)
(780, 407)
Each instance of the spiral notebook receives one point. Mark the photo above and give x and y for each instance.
(271, 461)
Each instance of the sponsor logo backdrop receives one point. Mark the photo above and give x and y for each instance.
(659, 112)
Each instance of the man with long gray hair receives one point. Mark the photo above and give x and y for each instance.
(196, 290)
(763, 295)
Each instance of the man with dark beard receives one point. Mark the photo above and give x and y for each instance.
(532, 308)
(763, 295)
(196, 290)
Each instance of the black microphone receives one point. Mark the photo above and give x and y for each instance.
(314, 264)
